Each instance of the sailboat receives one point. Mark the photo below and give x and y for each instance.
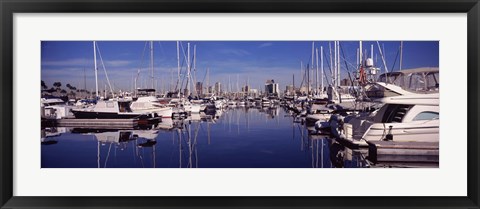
(147, 102)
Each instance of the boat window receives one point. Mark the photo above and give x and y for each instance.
(426, 116)
(124, 107)
(418, 82)
(395, 113)
(423, 82)
(110, 105)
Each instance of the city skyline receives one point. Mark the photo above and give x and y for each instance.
(229, 62)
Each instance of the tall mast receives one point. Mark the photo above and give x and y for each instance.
(301, 75)
(294, 91)
(358, 58)
(383, 58)
(307, 71)
(331, 63)
(178, 67)
(321, 64)
(371, 51)
(95, 62)
(151, 63)
(208, 80)
(316, 74)
(401, 54)
(195, 68)
(338, 63)
(335, 63)
(188, 68)
(84, 79)
(312, 58)
(360, 51)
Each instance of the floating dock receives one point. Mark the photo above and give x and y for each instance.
(97, 123)
(403, 152)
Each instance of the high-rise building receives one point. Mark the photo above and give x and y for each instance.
(245, 89)
(218, 88)
(271, 88)
(199, 88)
(289, 90)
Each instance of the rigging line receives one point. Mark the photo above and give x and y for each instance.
(104, 69)
(329, 67)
(395, 61)
(141, 62)
(108, 155)
(181, 67)
(161, 47)
(345, 60)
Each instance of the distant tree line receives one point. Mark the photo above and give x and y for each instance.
(57, 90)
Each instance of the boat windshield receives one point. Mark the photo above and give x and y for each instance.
(424, 80)
(124, 107)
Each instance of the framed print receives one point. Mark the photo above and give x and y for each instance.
(195, 104)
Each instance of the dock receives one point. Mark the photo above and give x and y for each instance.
(97, 123)
(403, 152)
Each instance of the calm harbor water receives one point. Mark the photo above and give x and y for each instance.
(232, 138)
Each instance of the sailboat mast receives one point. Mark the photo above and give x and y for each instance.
(338, 63)
(151, 63)
(335, 63)
(312, 58)
(84, 79)
(301, 74)
(331, 63)
(188, 68)
(371, 51)
(208, 80)
(360, 51)
(178, 66)
(195, 69)
(95, 63)
(321, 64)
(316, 74)
(401, 54)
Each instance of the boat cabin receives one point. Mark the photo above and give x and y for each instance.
(112, 106)
(419, 80)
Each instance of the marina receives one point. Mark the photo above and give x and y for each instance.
(344, 113)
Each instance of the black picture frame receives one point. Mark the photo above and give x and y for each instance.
(10, 7)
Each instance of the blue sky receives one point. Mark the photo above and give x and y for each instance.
(252, 61)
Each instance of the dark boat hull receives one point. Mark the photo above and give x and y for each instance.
(106, 115)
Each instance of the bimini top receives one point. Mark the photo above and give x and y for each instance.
(417, 80)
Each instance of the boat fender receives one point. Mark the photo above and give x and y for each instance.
(372, 153)
(389, 136)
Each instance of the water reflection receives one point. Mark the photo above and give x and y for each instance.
(241, 137)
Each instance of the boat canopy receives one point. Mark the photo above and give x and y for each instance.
(417, 80)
